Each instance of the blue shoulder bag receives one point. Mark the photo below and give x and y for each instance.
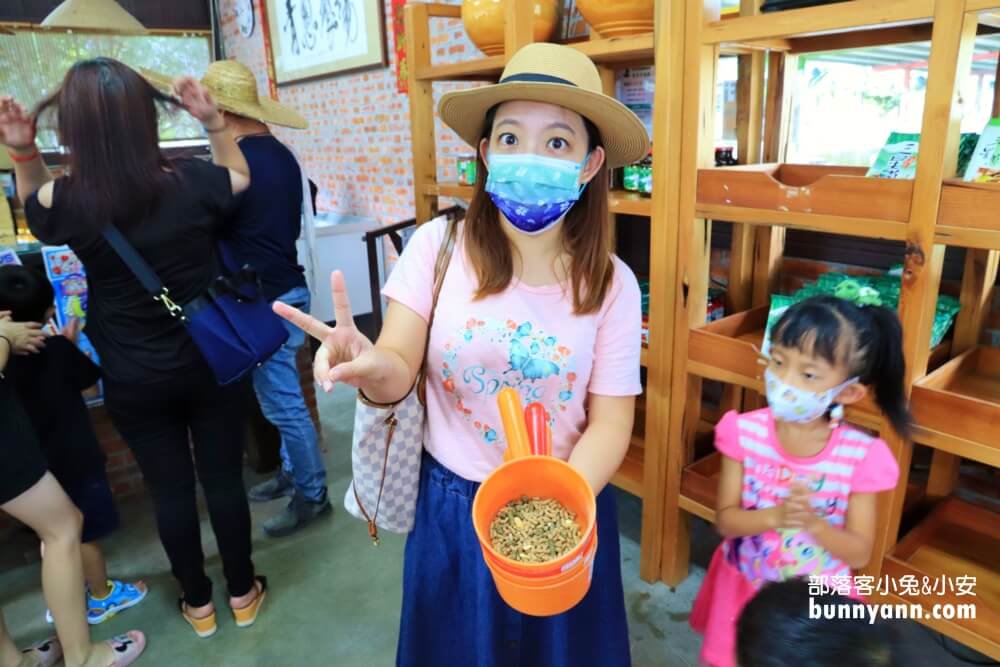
(231, 322)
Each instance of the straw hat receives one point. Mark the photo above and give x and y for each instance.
(93, 15)
(559, 75)
(234, 88)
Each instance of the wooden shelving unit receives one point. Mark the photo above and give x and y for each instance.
(956, 406)
(643, 471)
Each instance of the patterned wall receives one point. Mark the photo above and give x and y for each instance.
(357, 148)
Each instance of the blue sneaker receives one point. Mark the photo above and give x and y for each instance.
(122, 596)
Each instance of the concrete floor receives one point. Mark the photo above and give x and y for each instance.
(334, 598)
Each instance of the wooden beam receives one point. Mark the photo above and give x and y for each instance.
(838, 17)
(519, 29)
(693, 258)
(950, 61)
(905, 34)
(667, 108)
(418, 53)
(978, 279)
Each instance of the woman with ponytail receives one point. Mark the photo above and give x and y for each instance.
(797, 490)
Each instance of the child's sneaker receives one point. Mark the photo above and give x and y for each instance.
(122, 596)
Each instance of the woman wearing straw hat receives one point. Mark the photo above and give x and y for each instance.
(159, 390)
(262, 233)
(534, 299)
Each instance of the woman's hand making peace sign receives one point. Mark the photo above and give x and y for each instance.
(346, 354)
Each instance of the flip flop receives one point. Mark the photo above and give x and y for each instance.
(48, 651)
(127, 648)
(247, 616)
(203, 627)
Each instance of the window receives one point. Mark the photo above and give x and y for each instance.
(32, 65)
(847, 102)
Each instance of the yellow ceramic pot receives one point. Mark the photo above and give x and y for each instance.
(617, 18)
(484, 22)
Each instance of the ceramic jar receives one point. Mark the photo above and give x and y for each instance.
(484, 22)
(617, 18)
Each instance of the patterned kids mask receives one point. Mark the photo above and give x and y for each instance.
(533, 192)
(792, 404)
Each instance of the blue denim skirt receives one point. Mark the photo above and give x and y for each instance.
(453, 615)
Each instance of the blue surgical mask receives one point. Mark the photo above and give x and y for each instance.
(533, 192)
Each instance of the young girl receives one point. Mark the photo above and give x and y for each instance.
(797, 491)
(534, 299)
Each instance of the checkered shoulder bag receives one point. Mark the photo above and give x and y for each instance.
(389, 440)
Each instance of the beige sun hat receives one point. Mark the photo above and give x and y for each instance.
(234, 88)
(558, 75)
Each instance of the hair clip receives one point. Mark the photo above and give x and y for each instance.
(836, 415)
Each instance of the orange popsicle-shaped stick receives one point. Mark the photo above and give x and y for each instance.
(546, 448)
(514, 425)
(537, 420)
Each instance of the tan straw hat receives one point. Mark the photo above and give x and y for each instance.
(234, 88)
(558, 75)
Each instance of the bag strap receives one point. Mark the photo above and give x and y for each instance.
(143, 272)
(440, 271)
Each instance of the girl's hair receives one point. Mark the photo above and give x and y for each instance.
(26, 293)
(586, 236)
(868, 341)
(107, 119)
(776, 629)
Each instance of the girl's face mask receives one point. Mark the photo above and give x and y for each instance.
(792, 404)
(534, 192)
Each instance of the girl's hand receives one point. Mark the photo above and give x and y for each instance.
(796, 511)
(26, 337)
(17, 127)
(198, 102)
(346, 354)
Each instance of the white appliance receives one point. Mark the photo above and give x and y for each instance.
(340, 245)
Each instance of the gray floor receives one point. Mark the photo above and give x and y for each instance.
(335, 599)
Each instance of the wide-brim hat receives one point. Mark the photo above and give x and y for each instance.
(234, 88)
(559, 75)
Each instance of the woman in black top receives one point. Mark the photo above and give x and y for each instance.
(158, 388)
(34, 497)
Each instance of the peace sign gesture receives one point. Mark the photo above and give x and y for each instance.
(346, 354)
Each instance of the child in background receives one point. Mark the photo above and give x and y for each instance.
(797, 489)
(49, 385)
(776, 630)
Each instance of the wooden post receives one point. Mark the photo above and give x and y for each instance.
(951, 57)
(663, 293)
(978, 279)
(520, 26)
(749, 107)
(418, 53)
(693, 249)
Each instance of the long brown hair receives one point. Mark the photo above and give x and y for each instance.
(586, 237)
(107, 119)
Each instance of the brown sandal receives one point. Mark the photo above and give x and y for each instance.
(203, 627)
(247, 616)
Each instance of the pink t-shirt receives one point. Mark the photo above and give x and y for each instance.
(851, 462)
(527, 338)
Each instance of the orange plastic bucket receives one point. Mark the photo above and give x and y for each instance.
(553, 587)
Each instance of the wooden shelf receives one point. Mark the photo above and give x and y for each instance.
(619, 201)
(967, 387)
(632, 50)
(700, 488)
(958, 539)
(630, 203)
(967, 215)
(644, 357)
(727, 351)
(824, 19)
(837, 200)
